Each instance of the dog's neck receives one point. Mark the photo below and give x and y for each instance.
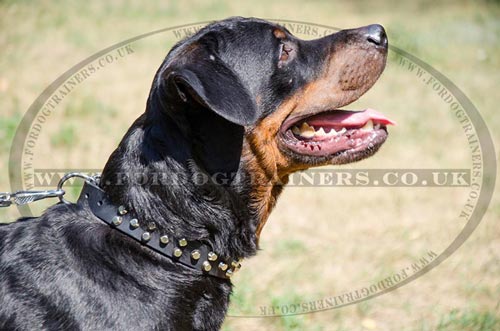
(153, 173)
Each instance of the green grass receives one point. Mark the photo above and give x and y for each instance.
(289, 323)
(9, 120)
(88, 106)
(65, 137)
(364, 308)
(8, 127)
(243, 298)
(41, 40)
(469, 321)
(289, 247)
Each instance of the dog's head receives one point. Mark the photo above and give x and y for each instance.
(255, 98)
(285, 92)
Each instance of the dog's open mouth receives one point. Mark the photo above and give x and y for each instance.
(350, 135)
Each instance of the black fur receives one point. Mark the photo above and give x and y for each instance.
(67, 270)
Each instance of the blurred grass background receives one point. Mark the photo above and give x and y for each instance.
(366, 233)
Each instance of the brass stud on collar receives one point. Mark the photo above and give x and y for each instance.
(134, 223)
(223, 266)
(151, 226)
(236, 265)
(183, 242)
(146, 236)
(177, 252)
(229, 273)
(212, 256)
(117, 220)
(122, 210)
(196, 254)
(207, 266)
(164, 239)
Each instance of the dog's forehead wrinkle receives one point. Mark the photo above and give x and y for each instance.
(251, 66)
(242, 45)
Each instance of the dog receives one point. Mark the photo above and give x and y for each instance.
(232, 112)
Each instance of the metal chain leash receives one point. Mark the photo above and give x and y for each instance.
(8, 199)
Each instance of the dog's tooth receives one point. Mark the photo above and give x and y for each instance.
(306, 131)
(368, 126)
(296, 130)
(341, 131)
(332, 133)
(321, 132)
(305, 126)
(307, 134)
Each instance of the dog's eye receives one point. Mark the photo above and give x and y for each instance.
(285, 51)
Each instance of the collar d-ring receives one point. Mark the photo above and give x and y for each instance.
(66, 177)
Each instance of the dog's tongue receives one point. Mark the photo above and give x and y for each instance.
(349, 118)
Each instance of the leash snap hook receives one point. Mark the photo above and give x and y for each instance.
(25, 197)
(5, 199)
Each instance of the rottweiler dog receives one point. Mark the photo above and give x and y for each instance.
(232, 112)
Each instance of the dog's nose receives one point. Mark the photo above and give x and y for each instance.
(375, 34)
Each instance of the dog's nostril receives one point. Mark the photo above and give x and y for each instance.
(374, 40)
(375, 34)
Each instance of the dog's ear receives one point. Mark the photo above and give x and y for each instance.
(215, 86)
(217, 107)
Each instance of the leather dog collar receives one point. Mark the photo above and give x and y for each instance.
(193, 254)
